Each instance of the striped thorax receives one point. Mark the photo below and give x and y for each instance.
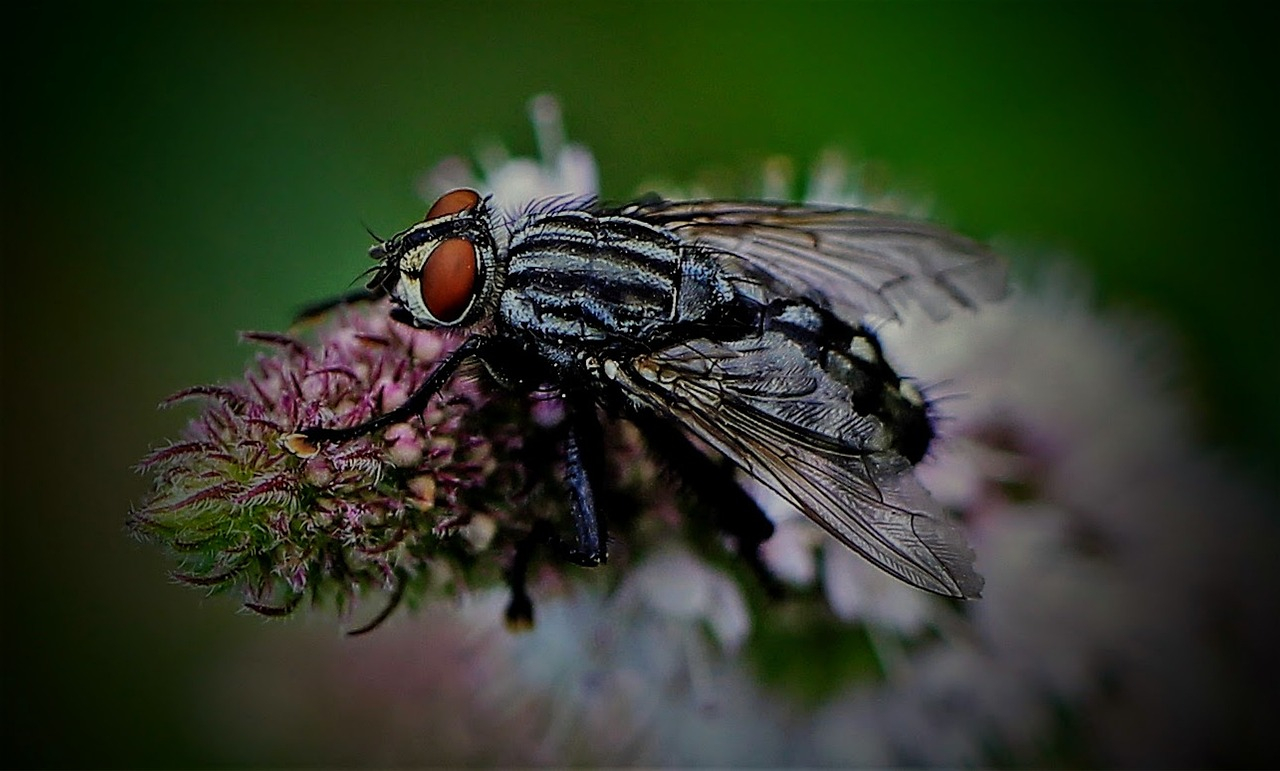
(582, 280)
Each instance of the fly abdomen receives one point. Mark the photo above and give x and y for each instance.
(853, 357)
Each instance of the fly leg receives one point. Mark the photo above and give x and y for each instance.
(583, 451)
(736, 513)
(415, 404)
(318, 309)
(519, 613)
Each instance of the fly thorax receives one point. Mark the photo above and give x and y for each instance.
(580, 280)
(704, 289)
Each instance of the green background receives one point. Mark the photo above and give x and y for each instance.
(175, 173)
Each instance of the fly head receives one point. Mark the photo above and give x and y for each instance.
(446, 270)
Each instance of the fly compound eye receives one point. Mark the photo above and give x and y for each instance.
(453, 202)
(448, 278)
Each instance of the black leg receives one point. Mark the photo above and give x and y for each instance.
(316, 310)
(583, 453)
(415, 404)
(583, 461)
(736, 513)
(519, 612)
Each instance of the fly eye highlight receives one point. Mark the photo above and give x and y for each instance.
(453, 202)
(448, 278)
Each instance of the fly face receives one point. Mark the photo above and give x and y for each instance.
(744, 324)
(444, 271)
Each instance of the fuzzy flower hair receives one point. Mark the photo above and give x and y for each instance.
(407, 509)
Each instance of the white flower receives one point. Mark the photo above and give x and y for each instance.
(562, 169)
(675, 584)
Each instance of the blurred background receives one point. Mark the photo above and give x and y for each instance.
(176, 173)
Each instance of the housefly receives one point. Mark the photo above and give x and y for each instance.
(743, 324)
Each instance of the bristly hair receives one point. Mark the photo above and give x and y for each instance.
(555, 203)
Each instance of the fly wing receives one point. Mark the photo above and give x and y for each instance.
(765, 405)
(856, 262)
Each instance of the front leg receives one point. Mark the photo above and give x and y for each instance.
(414, 405)
(316, 310)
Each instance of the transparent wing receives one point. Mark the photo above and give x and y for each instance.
(768, 408)
(858, 263)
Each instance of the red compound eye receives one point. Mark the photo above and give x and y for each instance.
(449, 278)
(453, 202)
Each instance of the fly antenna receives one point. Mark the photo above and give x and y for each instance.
(372, 234)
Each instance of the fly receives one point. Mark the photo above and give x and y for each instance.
(743, 324)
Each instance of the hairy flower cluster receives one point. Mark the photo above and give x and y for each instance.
(247, 510)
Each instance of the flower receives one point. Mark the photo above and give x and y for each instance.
(563, 169)
(248, 509)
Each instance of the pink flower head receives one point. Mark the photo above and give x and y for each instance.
(247, 509)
